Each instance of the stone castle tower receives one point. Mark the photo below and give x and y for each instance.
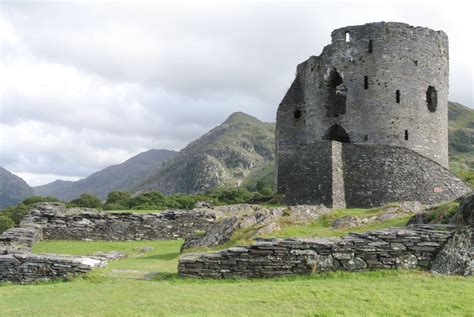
(365, 122)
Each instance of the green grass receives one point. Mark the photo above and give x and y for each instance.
(105, 293)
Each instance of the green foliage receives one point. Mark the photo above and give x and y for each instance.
(5, 223)
(118, 200)
(16, 213)
(231, 195)
(39, 199)
(87, 201)
(467, 176)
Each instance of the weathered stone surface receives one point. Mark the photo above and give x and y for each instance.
(365, 122)
(407, 262)
(244, 216)
(388, 248)
(25, 268)
(457, 255)
(465, 214)
(60, 223)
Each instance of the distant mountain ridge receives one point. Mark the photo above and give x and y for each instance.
(13, 189)
(240, 151)
(116, 177)
(229, 155)
(461, 137)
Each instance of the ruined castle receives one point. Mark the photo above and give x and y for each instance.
(365, 123)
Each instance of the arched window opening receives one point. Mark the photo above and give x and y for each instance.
(397, 96)
(366, 82)
(348, 36)
(370, 47)
(431, 98)
(337, 133)
(337, 93)
(297, 114)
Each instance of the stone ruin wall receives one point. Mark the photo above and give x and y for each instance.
(55, 221)
(444, 249)
(384, 249)
(366, 175)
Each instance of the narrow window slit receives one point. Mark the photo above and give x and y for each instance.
(366, 82)
(348, 36)
(431, 98)
(297, 114)
(406, 135)
(397, 96)
(370, 47)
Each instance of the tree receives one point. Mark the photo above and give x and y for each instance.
(88, 201)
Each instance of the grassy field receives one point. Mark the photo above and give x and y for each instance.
(147, 285)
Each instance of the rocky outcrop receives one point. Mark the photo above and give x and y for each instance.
(457, 256)
(261, 220)
(387, 249)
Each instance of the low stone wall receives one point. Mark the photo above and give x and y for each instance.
(27, 267)
(55, 221)
(60, 223)
(383, 249)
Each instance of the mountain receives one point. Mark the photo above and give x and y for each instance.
(116, 177)
(461, 137)
(13, 189)
(238, 151)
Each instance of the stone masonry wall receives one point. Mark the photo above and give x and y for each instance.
(387, 249)
(367, 174)
(60, 223)
(27, 267)
(55, 221)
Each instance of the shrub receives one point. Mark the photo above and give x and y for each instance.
(5, 223)
(231, 195)
(16, 213)
(39, 199)
(149, 200)
(118, 200)
(87, 201)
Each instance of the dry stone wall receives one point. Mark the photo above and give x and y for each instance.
(382, 249)
(60, 223)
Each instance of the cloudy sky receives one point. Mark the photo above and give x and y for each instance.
(87, 84)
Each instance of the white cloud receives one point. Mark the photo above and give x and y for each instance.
(86, 85)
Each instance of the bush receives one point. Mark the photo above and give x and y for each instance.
(87, 201)
(16, 213)
(118, 200)
(149, 200)
(39, 199)
(5, 223)
(231, 195)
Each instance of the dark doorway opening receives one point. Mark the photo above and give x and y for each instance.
(337, 133)
(336, 104)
